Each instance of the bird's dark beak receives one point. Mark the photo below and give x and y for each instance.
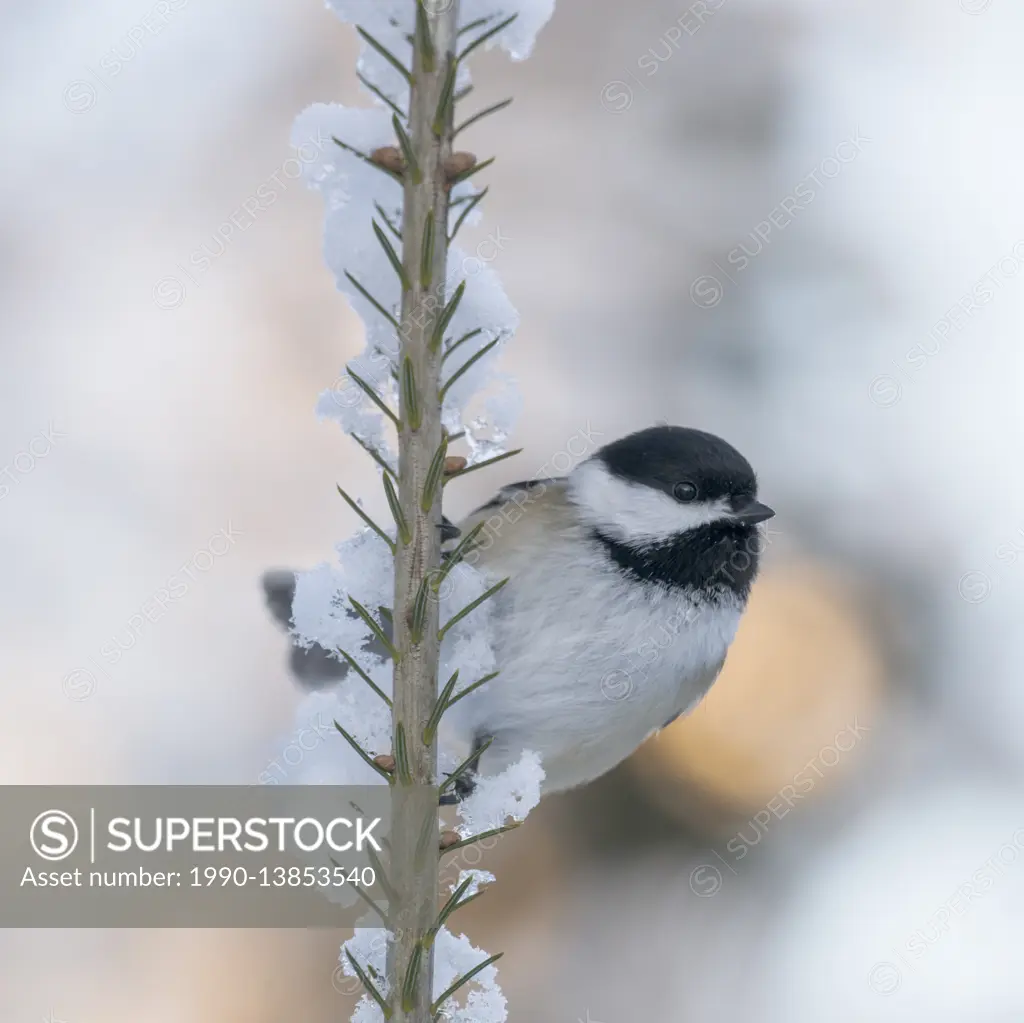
(752, 513)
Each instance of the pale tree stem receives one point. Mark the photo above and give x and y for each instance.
(414, 832)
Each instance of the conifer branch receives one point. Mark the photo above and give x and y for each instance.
(425, 146)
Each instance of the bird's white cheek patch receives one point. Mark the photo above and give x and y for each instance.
(633, 512)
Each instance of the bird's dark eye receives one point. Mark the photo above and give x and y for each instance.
(684, 492)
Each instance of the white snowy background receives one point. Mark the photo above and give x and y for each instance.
(176, 416)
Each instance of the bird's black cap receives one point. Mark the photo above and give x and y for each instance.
(675, 459)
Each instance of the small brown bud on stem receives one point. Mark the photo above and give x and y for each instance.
(458, 163)
(389, 157)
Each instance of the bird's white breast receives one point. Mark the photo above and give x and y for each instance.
(592, 660)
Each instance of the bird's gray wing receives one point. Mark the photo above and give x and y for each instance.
(314, 667)
(696, 689)
(512, 490)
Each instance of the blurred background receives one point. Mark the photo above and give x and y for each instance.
(796, 223)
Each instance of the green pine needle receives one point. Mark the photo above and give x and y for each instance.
(470, 607)
(405, 143)
(386, 54)
(371, 988)
(366, 756)
(368, 160)
(372, 625)
(376, 305)
(445, 101)
(410, 396)
(446, 911)
(441, 704)
(427, 251)
(393, 257)
(420, 606)
(457, 555)
(412, 974)
(475, 24)
(483, 834)
(368, 390)
(358, 890)
(435, 474)
(486, 112)
(446, 317)
(364, 676)
(466, 366)
(470, 171)
(404, 532)
(470, 206)
(387, 220)
(476, 685)
(380, 95)
(366, 518)
(464, 979)
(402, 768)
(467, 765)
(374, 454)
(423, 41)
(482, 465)
(465, 337)
(381, 875)
(481, 39)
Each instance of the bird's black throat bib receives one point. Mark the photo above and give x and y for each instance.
(716, 559)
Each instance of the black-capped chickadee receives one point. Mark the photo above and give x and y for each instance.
(627, 579)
